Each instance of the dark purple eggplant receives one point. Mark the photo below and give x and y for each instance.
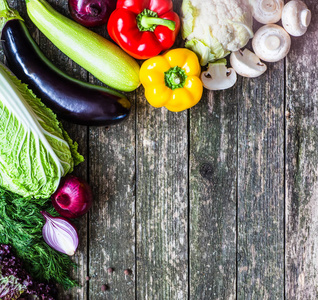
(72, 100)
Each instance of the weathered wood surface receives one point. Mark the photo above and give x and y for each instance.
(213, 196)
(218, 202)
(301, 166)
(260, 211)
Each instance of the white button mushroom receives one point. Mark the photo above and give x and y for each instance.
(296, 18)
(267, 11)
(271, 43)
(218, 76)
(247, 64)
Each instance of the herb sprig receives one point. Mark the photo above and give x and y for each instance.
(21, 226)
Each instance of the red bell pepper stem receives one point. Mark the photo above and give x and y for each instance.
(148, 21)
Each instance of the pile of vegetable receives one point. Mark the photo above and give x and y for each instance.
(218, 28)
(37, 193)
(21, 226)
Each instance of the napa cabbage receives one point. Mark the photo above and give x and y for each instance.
(35, 150)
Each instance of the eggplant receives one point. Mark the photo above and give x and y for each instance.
(71, 99)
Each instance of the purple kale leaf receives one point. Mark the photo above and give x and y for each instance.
(15, 282)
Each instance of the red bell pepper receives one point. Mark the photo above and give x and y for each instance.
(144, 28)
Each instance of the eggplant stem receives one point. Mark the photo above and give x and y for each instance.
(4, 6)
(7, 13)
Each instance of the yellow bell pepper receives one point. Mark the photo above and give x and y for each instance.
(172, 80)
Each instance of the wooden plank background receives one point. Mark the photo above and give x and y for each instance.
(218, 202)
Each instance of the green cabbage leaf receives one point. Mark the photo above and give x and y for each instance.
(35, 150)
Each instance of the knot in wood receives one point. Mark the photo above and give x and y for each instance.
(206, 171)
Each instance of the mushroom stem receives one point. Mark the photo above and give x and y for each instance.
(272, 42)
(305, 17)
(268, 6)
(218, 76)
(247, 64)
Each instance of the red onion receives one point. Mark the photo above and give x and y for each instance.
(73, 198)
(91, 12)
(59, 234)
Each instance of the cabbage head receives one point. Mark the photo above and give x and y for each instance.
(215, 28)
(35, 150)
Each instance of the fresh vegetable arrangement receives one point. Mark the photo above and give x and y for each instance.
(144, 28)
(218, 28)
(37, 155)
(73, 100)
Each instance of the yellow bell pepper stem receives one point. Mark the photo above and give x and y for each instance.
(172, 80)
(175, 78)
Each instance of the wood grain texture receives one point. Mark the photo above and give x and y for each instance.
(112, 174)
(162, 203)
(112, 217)
(301, 165)
(213, 165)
(260, 223)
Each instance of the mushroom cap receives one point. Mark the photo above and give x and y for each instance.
(267, 11)
(271, 43)
(218, 76)
(247, 64)
(296, 18)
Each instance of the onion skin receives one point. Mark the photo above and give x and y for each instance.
(91, 13)
(73, 198)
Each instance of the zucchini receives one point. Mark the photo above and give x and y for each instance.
(102, 58)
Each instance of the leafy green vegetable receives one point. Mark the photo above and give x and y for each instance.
(35, 151)
(21, 226)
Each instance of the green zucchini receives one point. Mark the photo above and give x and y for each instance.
(102, 58)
